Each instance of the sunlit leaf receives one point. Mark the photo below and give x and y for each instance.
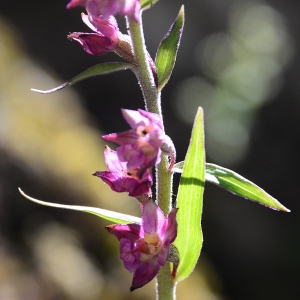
(100, 69)
(239, 185)
(145, 4)
(167, 50)
(102, 213)
(189, 201)
(235, 183)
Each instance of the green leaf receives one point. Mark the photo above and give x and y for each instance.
(239, 185)
(100, 69)
(167, 50)
(102, 213)
(189, 201)
(145, 4)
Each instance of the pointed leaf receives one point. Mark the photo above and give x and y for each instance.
(145, 4)
(100, 69)
(189, 201)
(167, 50)
(102, 213)
(239, 185)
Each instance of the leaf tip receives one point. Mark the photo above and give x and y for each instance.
(285, 209)
(38, 91)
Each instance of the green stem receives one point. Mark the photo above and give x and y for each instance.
(165, 287)
(145, 75)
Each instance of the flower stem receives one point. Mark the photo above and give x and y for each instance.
(144, 75)
(165, 287)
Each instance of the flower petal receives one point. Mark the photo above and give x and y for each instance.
(122, 138)
(108, 28)
(130, 231)
(152, 117)
(130, 258)
(145, 273)
(169, 231)
(134, 118)
(163, 254)
(152, 218)
(93, 43)
(74, 3)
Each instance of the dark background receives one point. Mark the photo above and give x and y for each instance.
(252, 250)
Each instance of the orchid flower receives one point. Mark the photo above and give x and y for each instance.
(145, 248)
(105, 37)
(140, 146)
(120, 179)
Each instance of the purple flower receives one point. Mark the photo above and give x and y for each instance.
(145, 248)
(106, 8)
(105, 38)
(140, 146)
(121, 179)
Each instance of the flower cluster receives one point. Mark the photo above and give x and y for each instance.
(145, 248)
(129, 167)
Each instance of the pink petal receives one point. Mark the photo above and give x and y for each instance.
(109, 28)
(74, 3)
(110, 179)
(163, 254)
(130, 231)
(170, 228)
(112, 161)
(145, 273)
(130, 258)
(153, 217)
(93, 43)
(152, 117)
(140, 189)
(134, 157)
(134, 118)
(122, 138)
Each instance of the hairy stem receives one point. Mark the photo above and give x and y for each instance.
(145, 75)
(165, 287)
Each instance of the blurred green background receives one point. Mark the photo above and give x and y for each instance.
(238, 60)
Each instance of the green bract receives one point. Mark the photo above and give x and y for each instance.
(102, 213)
(239, 185)
(147, 3)
(100, 69)
(189, 201)
(167, 50)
